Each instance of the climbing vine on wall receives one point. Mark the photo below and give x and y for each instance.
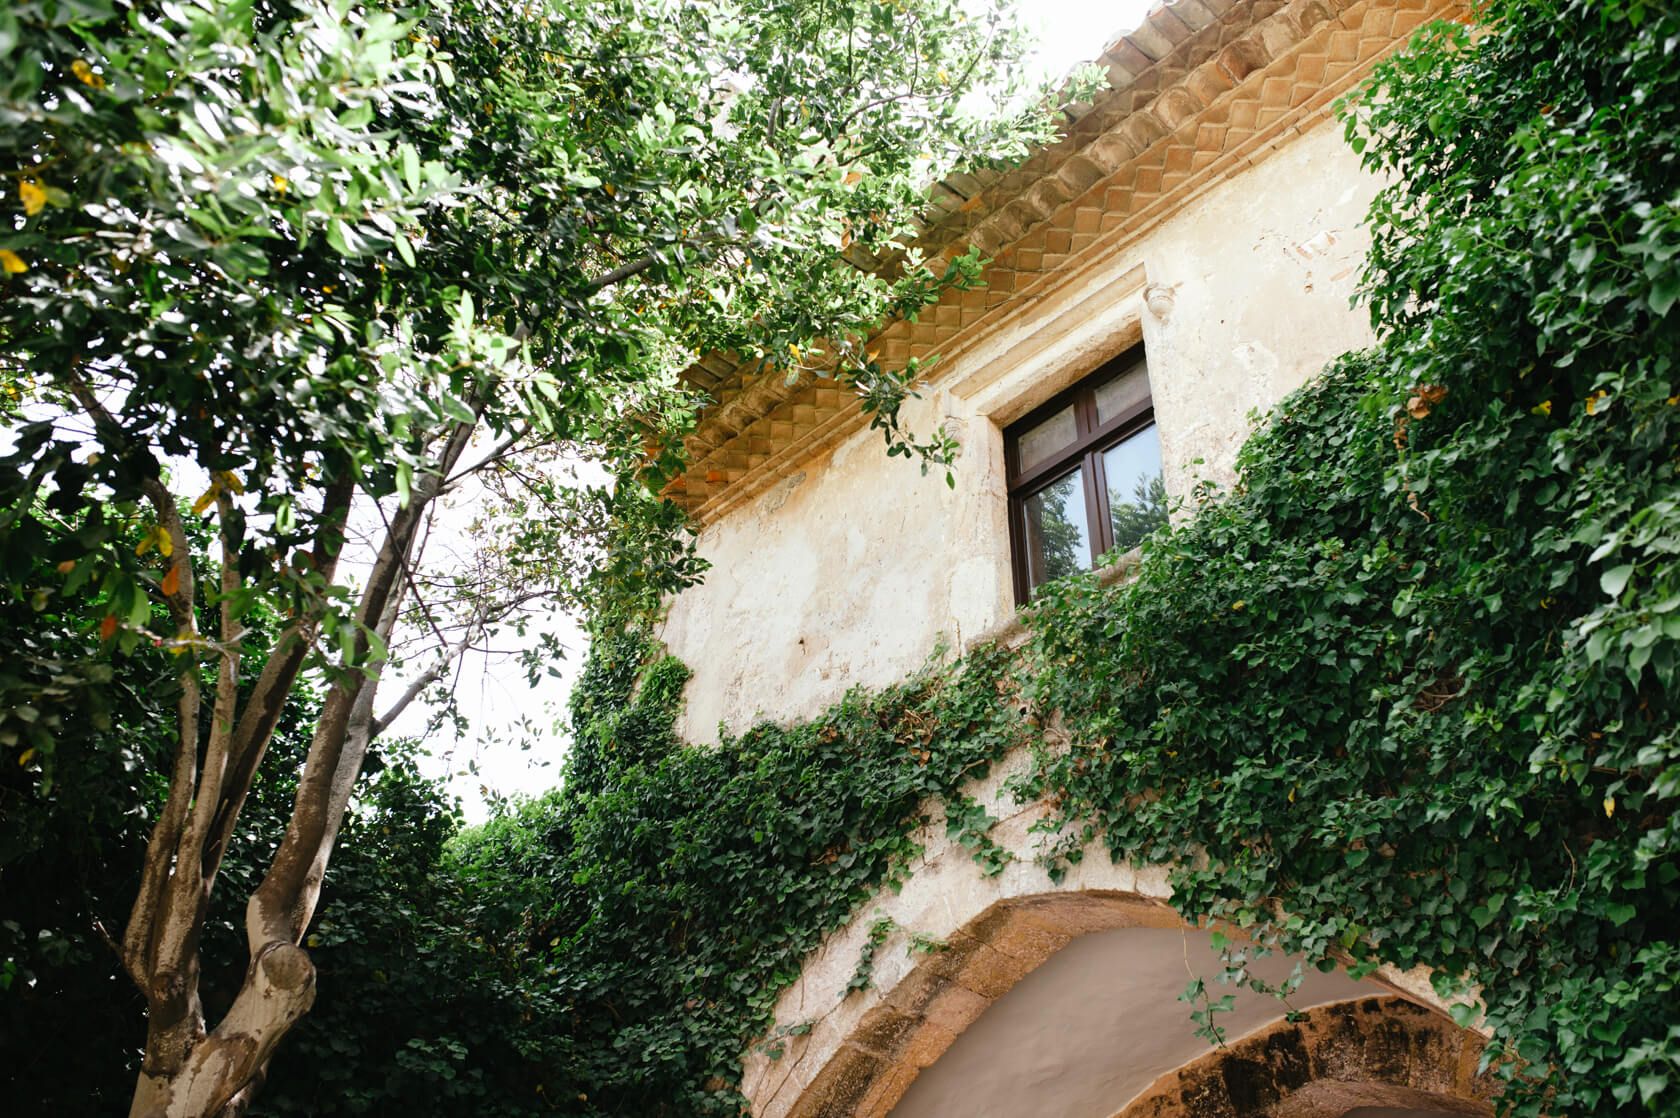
(1409, 695)
(669, 892)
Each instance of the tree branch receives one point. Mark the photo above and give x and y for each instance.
(623, 272)
(267, 699)
(475, 629)
(281, 905)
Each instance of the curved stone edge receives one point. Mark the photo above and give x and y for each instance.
(1373, 1052)
(854, 1053)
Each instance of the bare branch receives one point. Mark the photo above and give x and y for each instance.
(623, 272)
(280, 906)
(170, 1004)
(267, 698)
(496, 454)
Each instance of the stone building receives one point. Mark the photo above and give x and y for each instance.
(1183, 256)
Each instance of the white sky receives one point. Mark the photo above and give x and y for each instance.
(1075, 31)
(493, 692)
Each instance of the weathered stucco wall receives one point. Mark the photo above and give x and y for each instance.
(1094, 1025)
(854, 569)
(943, 1032)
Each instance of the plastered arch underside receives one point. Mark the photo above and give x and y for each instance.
(1067, 1004)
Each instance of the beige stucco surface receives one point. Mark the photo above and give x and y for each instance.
(854, 569)
(1091, 1028)
(931, 999)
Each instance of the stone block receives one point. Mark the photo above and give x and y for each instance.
(883, 1030)
(837, 1089)
(954, 1008)
(926, 1045)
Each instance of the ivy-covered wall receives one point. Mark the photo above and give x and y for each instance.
(1406, 695)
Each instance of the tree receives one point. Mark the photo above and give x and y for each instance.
(1146, 512)
(70, 849)
(319, 265)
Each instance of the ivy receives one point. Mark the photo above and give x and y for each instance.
(668, 893)
(969, 823)
(1405, 696)
(1408, 695)
(883, 926)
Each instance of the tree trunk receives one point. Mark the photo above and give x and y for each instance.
(188, 1071)
(279, 987)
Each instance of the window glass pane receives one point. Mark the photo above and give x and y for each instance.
(1041, 442)
(1058, 539)
(1123, 393)
(1137, 497)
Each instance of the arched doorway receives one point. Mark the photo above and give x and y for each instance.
(1067, 1005)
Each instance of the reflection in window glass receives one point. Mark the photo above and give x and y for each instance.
(1137, 496)
(1123, 393)
(1045, 439)
(1057, 537)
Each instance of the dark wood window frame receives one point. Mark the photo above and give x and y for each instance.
(1085, 452)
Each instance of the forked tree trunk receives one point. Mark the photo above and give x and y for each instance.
(190, 1069)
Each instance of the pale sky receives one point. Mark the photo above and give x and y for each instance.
(493, 693)
(1075, 31)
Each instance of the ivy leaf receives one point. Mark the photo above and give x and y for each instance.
(1615, 579)
(1665, 289)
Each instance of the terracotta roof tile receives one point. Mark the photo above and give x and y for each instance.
(1205, 89)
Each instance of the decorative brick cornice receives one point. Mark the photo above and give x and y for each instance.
(1202, 91)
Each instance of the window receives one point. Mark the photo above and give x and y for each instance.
(1084, 475)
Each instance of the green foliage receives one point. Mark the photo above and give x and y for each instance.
(1406, 696)
(657, 904)
(71, 848)
(320, 263)
(1409, 695)
(218, 214)
(879, 931)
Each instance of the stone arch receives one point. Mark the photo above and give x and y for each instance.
(1381, 1053)
(1374, 1051)
(840, 1052)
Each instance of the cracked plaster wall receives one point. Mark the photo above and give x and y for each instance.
(853, 570)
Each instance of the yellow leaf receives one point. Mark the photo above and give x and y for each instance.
(206, 500)
(147, 542)
(26, 756)
(34, 198)
(12, 262)
(172, 580)
(84, 74)
(1609, 806)
(165, 545)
